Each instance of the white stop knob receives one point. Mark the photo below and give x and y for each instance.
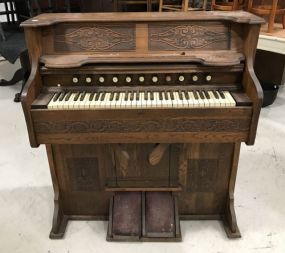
(75, 80)
(155, 79)
(101, 79)
(115, 79)
(168, 78)
(181, 78)
(195, 78)
(208, 78)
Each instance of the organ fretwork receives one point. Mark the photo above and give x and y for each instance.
(142, 115)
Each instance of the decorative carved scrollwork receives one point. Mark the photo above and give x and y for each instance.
(185, 37)
(97, 38)
(126, 126)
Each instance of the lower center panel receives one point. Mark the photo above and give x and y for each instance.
(143, 216)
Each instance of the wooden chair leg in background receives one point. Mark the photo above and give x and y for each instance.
(272, 16)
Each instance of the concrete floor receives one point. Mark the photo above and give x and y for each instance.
(26, 195)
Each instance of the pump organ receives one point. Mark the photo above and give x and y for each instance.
(142, 115)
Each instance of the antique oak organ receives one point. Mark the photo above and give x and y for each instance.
(142, 115)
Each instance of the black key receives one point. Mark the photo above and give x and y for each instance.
(131, 95)
(67, 97)
(151, 95)
(56, 96)
(97, 96)
(180, 95)
(160, 97)
(76, 96)
(137, 95)
(145, 95)
(222, 94)
(186, 94)
(171, 95)
(207, 94)
(201, 95)
(91, 96)
(111, 96)
(166, 95)
(61, 97)
(195, 95)
(82, 96)
(103, 96)
(117, 96)
(126, 96)
(216, 95)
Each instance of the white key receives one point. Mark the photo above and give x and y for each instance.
(190, 100)
(129, 102)
(157, 100)
(106, 102)
(84, 103)
(148, 101)
(174, 100)
(215, 101)
(78, 103)
(123, 101)
(113, 101)
(200, 100)
(67, 103)
(92, 103)
(140, 103)
(206, 101)
(152, 101)
(88, 103)
(98, 101)
(230, 98)
(71, 101)
(184, 101)
(210, 100)
(169, 103)
(221, 100)
(137, 102)
(118, 103)
(59, 105)
(195, 101)
(52, 104)
(133, 102)
(177, 100)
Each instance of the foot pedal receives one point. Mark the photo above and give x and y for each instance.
(140, 216)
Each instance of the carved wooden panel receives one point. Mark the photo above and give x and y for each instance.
(126, 126)
(205, 167)
(134, 170)
(83, 173)
(94, 37)
(202, 175)
(189, 36)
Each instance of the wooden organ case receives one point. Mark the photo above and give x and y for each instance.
(142, 115)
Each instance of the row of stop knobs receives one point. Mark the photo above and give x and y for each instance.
(154, 79)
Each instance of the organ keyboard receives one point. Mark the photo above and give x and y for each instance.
(143, 115)
(138, 100)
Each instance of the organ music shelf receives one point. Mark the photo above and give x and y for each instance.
(218, 58)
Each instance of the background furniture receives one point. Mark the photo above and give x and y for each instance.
(120, 4)
(13, 46)
(268, 8)
(227, 5)
(183, 5)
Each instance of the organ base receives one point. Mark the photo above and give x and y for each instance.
(198, 178)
